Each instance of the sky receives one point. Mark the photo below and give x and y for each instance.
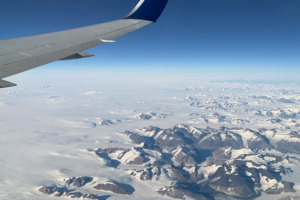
(261, 36)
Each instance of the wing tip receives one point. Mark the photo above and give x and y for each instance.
(149, 10)
(5, 84)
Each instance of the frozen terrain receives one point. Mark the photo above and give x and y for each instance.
(128, 136)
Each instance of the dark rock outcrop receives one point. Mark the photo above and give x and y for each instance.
(78, 181)
(117, 188)
(288, 146)
(64, 192)
(180, 190)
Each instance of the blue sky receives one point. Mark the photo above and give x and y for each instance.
(225, 35)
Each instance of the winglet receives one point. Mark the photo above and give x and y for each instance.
(148, 10)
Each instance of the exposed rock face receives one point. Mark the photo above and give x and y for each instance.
(171, 139)
(110, 150)
(116, 188)
(222, 139)
(288, 146)
(258, 141)
(78, 181)
(282, 187)
(105, 122)
(51, 190)
(103, 153)
(64, 192)
(138, 139)
(148, 173)
(227, 154)
(201, 163)
(151, 115)
(288, 186)
(185, 155)
(144, 116)
(221, 155)
(231, 180)
(179, 190)
(136, 156)
(172, 191)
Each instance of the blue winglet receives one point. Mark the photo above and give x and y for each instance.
(148, 10)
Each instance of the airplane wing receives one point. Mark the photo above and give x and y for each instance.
(22, 54)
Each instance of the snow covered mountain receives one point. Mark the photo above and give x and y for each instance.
(199, 163)
(218, 141)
